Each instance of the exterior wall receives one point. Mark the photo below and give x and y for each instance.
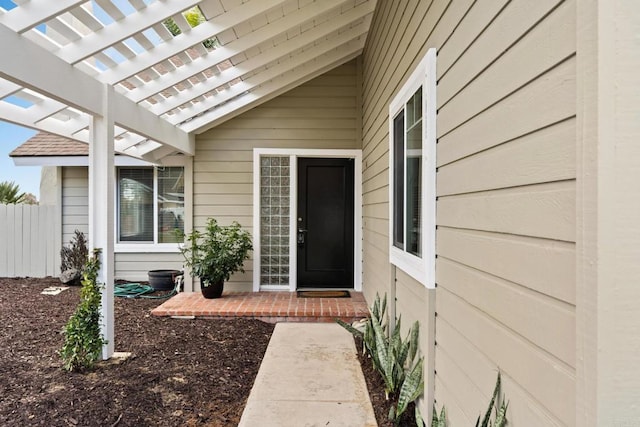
(318, 114)
(506, 192)
(75, 201)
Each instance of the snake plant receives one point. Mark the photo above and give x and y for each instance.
(501, 411)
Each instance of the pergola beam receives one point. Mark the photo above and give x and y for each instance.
(79, 90)
(271, 55)
(339, 43)
(36, 12)
(184, 41)
(110, 35)
(20, 116)
(249, 41)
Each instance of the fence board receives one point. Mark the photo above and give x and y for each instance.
(28, 236)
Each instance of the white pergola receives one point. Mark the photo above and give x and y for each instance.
(109, 73)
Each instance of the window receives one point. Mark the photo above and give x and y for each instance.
(150, 204)
(412, 174)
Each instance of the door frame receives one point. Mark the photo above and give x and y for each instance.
(293, 155)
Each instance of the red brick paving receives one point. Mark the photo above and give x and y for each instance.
(267, 306)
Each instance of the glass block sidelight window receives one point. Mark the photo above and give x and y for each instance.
(275, 173)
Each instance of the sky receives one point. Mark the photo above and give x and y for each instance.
(27, 177)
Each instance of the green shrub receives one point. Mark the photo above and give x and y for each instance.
(82, 338)
(75, 255)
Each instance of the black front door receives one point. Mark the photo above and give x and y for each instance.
(325, 223)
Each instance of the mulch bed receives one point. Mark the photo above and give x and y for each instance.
(182, 372)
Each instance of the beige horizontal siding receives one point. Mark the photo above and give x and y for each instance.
(136, 266)
(506, 157)
(319, 114)
(75, 202)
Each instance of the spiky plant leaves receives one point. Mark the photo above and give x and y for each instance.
(10, 193)
(413, 341)
(440, 421)
(350, 328)
(418, 417)
(487, 415)
(383, 357)
(411, 389)
(501, 415)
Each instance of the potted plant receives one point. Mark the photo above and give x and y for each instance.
(215, 254)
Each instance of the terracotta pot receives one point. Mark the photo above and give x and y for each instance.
(211, 290)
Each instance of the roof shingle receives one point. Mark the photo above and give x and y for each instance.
(45, 145)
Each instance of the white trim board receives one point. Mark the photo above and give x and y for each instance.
(357, 210)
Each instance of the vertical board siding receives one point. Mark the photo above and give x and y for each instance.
(28, 233)
(506, 159)
(318, 114)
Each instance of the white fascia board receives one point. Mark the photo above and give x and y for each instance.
(267, 92)
(271, 55)
(343, 42)
(73, 161)
(184, 41)
(223, 53)
(35, 12)
(127, 27)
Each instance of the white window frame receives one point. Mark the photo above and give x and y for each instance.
(151, 247)
(420, 268)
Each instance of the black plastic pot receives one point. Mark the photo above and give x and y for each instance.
(162, 280)
(211, 290)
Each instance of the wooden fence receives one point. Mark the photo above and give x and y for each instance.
(30, 241)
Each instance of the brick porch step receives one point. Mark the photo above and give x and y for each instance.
(267, 306)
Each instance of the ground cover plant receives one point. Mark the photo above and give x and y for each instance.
(181, 372)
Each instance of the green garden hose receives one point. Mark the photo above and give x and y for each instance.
(138, 290)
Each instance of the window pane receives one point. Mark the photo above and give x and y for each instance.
(135, 194)
(414, 173)
(398, 181)
(170, 204)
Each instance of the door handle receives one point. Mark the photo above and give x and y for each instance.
(301, 233)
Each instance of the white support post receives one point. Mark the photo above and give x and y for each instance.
(101, 209)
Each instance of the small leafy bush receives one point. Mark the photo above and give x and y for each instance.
(82, 338)
(75, 255)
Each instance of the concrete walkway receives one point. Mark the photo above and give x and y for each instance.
(310, 376)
